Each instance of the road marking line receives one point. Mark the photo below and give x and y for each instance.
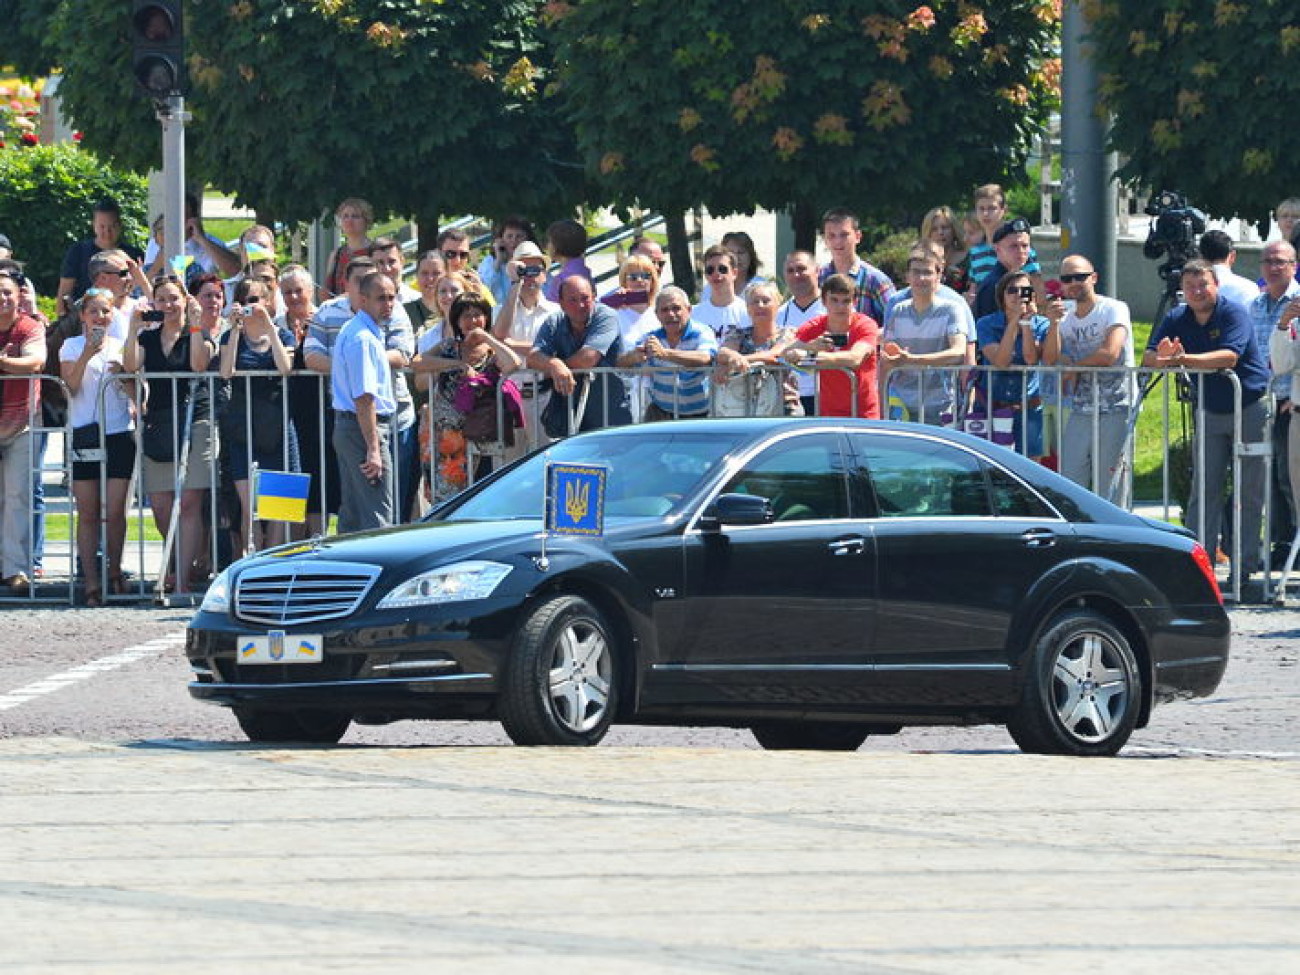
(57, 682)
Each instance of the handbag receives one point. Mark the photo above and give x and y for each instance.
(756, 393)
(85, 444)
(476, 400)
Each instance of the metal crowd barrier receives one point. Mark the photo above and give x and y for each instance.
(911, 386)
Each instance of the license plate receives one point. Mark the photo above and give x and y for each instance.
(278, 647)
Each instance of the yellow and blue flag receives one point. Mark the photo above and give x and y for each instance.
(281, 496)
(576, 499)
(256, 252)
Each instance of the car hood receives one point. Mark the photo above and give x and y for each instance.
(428, 543)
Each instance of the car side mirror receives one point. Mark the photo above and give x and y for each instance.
(736, 509)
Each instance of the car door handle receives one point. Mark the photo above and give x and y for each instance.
(848, 546)
(1039, 538)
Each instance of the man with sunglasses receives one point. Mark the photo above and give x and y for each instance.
(1094, 333)
(1274, 315)
(74, 276)
(453, 245)
(723, 311)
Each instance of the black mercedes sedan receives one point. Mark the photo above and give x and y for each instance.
(814, 580)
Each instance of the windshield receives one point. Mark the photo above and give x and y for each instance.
(649, 474)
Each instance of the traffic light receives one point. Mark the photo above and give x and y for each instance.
(158, 47)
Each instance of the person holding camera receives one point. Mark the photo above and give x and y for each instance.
(1013, 336)
(253, 428)
(841, 340)
(102, 418)
(520, 316)
(163, 341)
(493, 271)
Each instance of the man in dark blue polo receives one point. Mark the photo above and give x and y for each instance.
(1211, 332)
(361, 383)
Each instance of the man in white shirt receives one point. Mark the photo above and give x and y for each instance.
(1217, 248)
(723, 310)
(521, 314)
(1094, 333)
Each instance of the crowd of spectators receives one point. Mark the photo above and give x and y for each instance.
(393, 398)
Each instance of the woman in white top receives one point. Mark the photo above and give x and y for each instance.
(102, 419)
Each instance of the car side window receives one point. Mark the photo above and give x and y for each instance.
(1011, 499)
(916, 478)
(803, 477)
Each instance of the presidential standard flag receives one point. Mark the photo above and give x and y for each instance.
(281, 496)
(576, 499)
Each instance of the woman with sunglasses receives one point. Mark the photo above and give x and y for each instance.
(633, 301)
(469, 351)
(90, 365)
(1013, 336)
(354, 218)
(22, 354)
(176, 344)
(253, 430)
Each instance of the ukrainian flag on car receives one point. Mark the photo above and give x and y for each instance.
(282, 496)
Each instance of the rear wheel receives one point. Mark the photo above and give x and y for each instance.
(561, 683)
(1083, 691)
(810, 736)
(313, 727)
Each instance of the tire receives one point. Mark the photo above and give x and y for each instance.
(1083, 691)
(561, 682)
(311, 727)
(810, 736)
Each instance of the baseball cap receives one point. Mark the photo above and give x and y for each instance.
(528, 249)
(1017, 226)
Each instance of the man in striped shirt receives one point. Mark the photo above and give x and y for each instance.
(674, 393)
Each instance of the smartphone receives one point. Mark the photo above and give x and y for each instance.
(97, 333)
(621, 298)
(839, 341)
(153, 316)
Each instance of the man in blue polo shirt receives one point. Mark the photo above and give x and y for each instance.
(1210, 332)
(361, 383)
(676, 394)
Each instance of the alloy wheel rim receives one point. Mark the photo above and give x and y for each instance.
(579, 678)
(1090, 687)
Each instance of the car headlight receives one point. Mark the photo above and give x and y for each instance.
(447, 584)
(217, 598)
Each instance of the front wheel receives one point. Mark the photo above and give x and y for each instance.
(561, 682)
(312, 727)
(1083, 691)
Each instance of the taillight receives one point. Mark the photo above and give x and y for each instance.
(1204, 563)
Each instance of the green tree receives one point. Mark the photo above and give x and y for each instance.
(883, 106)
(47, 194)
(1200, 91)
(418, 105)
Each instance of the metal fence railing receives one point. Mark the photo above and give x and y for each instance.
(1085, 424)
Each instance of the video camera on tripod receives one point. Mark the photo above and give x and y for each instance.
(1175, 228)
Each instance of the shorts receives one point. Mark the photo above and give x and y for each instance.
(160, 476)
(119, 459)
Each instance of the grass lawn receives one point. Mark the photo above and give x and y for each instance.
(1152, 438)
(58, 527)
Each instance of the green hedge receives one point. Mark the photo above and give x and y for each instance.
(47, 194)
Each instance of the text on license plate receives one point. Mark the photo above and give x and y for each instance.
(278, 647)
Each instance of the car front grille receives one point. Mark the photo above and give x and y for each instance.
(302, 592)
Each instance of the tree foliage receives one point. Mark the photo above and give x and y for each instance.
(1199, 90)
(418, 105)
(880, 105)
(47, 194)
